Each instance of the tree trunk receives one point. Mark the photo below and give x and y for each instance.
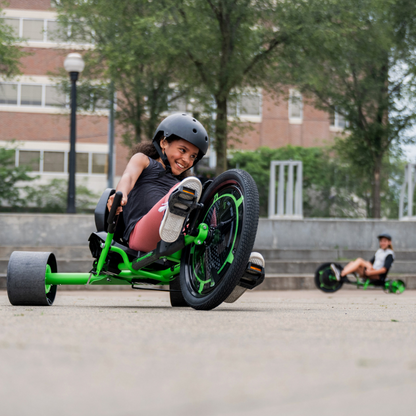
(376, 201)
(221, 135)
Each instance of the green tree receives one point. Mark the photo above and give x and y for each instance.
(332, 185)
(52, 197)
(10, 54)
(133, 48)
(10, 175)
(230, 45)
(356, 58)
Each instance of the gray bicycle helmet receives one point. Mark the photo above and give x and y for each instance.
(184, 127)
(385, 235)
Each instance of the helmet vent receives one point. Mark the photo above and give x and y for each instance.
(206, 138)
(194, 120)
(184, 114)
(195, 130)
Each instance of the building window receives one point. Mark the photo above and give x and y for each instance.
(54, 97)
(15, 25)
(33, 30)
(99, 163)
(337, 120)
(40, 95)
(42, 30)
(31, 95)
(246, 104)
(295, 105)
(250, 105)
(8, 94)
(81, 162)
(44, 161)
(30, 158)
(53, 161)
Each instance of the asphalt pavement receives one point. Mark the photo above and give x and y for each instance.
(270, 353)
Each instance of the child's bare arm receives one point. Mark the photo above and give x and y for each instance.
(133, 170)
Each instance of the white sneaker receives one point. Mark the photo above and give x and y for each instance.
(336, 272)
(172, 224)
(255, 258)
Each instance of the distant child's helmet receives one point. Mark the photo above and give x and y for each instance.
(385, 235)
(183, 126)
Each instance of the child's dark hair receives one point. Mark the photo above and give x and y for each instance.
(149, 150)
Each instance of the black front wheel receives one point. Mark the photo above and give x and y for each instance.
(210, 272)
(325, 279)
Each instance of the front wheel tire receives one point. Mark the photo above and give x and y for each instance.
(325, 279)
(210, 272)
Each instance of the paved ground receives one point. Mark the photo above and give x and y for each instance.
(271, 353)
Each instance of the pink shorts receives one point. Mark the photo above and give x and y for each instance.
(145, 234)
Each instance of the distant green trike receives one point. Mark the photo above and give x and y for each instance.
(326, 281)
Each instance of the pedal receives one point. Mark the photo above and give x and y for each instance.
(253, 276)
(182, 201)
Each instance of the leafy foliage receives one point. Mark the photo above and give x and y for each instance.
(10, 175)
(228, 46)
(133, 48)
(332, 186)
(10, 54)
(356, 57)
(52, 197)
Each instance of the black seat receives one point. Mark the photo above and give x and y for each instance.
(101, 216)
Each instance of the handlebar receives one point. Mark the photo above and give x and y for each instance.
(116, 203)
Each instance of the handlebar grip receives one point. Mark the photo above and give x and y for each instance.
(111, 216)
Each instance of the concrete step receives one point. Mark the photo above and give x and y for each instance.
(329, 255)
(296, 267)
(67, 252)
(64, 265)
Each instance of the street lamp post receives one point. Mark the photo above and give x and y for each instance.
(73, 64)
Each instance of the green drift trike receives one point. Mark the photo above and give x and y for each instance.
(326, 281)
(207, 265)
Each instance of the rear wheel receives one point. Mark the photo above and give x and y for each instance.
(325, 279)
(26, 278)
(210, 272)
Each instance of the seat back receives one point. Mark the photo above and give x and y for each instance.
(101, 216)
(101, 211)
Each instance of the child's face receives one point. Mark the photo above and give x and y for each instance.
(180, 153)
(384, 243)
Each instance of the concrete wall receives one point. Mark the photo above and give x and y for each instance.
(333, 233)
(74, 230)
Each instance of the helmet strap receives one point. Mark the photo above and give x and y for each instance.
(163, 156)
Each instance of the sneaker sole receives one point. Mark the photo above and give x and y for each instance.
(171, 225)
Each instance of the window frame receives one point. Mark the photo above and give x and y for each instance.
(43, 95)
(66, 157)
(292, 93)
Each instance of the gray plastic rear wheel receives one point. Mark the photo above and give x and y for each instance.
(26, 278)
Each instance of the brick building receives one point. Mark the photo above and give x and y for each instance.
(34, 112)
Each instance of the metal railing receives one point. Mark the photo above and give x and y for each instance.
(409, 183)
(287, 206)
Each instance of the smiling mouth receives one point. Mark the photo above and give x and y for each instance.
(180, 166)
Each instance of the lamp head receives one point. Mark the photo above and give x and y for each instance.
(74, 63)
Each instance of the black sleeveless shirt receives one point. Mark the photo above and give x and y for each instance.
(148, 189)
